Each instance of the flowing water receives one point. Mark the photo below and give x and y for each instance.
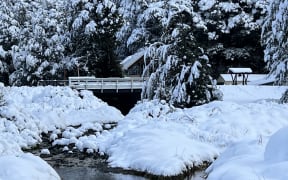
(86, 173)
(76, 165)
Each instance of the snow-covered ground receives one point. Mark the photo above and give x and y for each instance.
(154, 137)
(26, 112)
(163, 140)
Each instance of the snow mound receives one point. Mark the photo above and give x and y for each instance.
(253, 160)
(158, 149)
(159, 139)
(30, 111)
(26, 167)
(276, 149)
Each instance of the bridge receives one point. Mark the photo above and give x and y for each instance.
(126, 84)
(123, 93)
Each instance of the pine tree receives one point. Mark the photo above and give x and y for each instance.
(9, 33)
(274, 38)
(93, 30)
(40, 50)
(182, 68)
(234, 29)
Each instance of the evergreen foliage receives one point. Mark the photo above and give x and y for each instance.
(182, 68)
(274, 38)
(93, 31)
(41, 43)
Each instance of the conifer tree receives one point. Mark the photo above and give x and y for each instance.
(41, 46)
(274, 38)
(182, 68)
(93, 30)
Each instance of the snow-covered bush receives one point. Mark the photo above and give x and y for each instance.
(217, 94)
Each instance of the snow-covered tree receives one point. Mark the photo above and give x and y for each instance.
(41, 45)
(234, 29)
(275, 40)
(142, 24)
(93, 29)
(181, 74)
(9, 33)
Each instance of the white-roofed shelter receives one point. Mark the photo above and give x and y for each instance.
(134, 65)
(242, 73)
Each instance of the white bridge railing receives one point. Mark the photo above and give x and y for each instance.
(92, 83)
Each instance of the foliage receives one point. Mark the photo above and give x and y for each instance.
(41, 42)
(274, 38)
(43, 39)
(93, 29)
(181, 74)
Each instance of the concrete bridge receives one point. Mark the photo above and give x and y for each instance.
(122, 93)
(126, 84)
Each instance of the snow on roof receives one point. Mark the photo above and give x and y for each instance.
(130, 60)
(240, 70)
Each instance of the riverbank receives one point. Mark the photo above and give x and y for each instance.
(154, 138)
(71, 163)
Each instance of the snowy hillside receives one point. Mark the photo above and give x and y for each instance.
(154, 137)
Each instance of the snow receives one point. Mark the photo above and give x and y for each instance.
(240, 70)
(130, 60)
(206, 4)
(229, 6)
(29, 111)
(162, 140)
(240, 132)
(2, 52)
(26, 167)
(245, 160)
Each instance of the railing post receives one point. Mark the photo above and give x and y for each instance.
(101, 85)
(117, 85)
(131, 84)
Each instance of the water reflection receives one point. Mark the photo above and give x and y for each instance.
(85, 173)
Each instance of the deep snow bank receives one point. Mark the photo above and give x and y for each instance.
(253, 160)
(26, 167)
(29, 111)
(162, 140)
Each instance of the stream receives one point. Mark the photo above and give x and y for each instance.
(76, 173)
(77, 165)
(82, 166)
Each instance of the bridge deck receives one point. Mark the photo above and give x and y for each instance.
(116, 84)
